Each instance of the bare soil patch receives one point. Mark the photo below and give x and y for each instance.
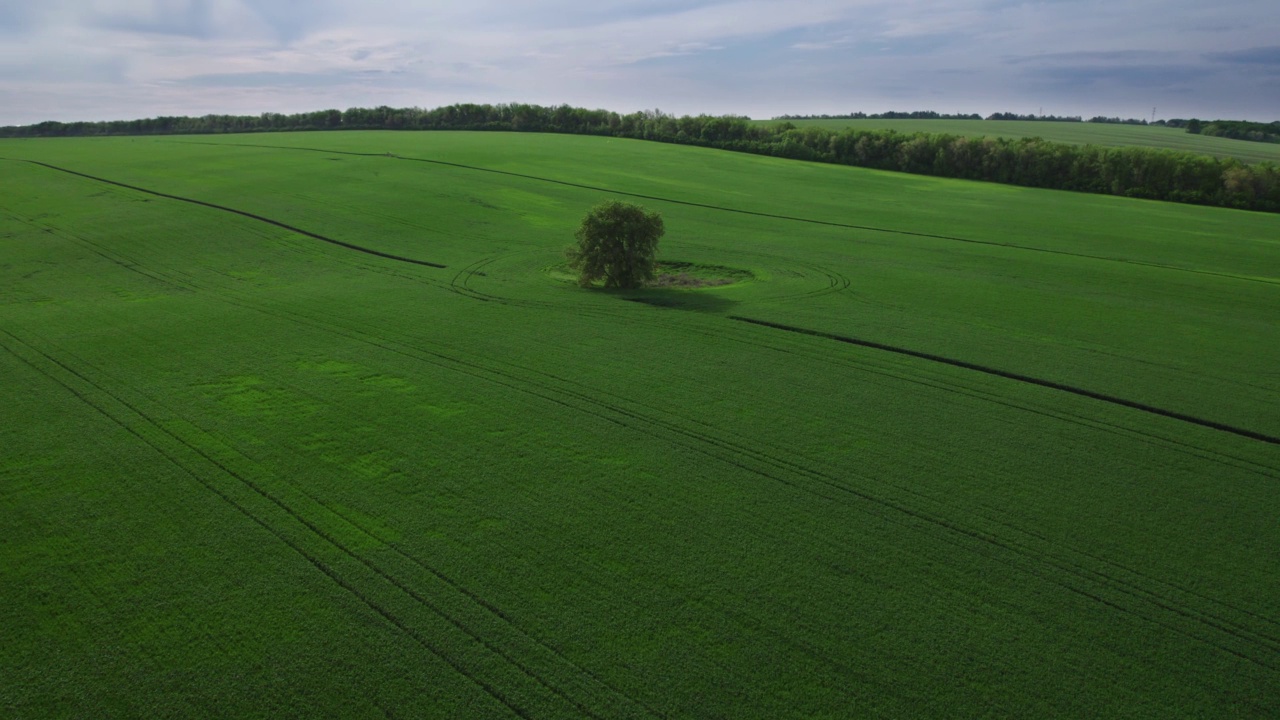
(675, 274)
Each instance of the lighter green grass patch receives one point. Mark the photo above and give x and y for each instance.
(387, 382)
(330, 367)
(376, 381)
(250, 395)
(369, 466)
(446, 411)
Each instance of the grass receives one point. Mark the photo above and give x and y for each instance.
(249, 472)
(674, 273)
(1105, 134)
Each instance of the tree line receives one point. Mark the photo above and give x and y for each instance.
(1040, 118)
(1241, 130)
(1138, 172)
(891, 115)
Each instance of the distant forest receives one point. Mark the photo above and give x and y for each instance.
(1238, 130)
(1234, 129)
(915, 115)
(1138, 172)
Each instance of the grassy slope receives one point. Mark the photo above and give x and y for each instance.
(328, 479)
(1074, 133)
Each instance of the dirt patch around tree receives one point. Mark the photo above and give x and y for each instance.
(676, 274)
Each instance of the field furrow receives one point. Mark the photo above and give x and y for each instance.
(917, 447)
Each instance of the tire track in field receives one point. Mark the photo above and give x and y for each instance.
(837, 281)
(252, 216)
(746, 450)
(731, 452)
(1112, 580)
(805, 647)
(1133, 589)
(813, 652)
(732, 460)
(135, 266)
(799, 643)
(752, 213)
(1175, 445)
(835, 483)
(1212, 424)
(313, 560)
(945, 385)
(488, 606)
(1082, 571)
(402, 586)
(1015, 528)
(485, 604)
(1135, 432)
(92, 247)
(461, 284)
(473, 269)
(439, 575)
(1092, 423)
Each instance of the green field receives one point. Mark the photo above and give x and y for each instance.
(345, 440)
(1105, 134)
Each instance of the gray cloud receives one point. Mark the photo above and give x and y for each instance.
(1252, 56)
(310, 81)
(1125, 76)
(16, 18)
(282, 80)
(71, 59)
(1110, 57)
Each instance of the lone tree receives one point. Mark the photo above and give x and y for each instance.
(616, 243)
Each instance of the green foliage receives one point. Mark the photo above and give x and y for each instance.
(1243, 130)
(617, 242)
(1012, 156)
(1170, 136)
(248, 473)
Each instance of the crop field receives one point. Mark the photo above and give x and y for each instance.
(1075, 133)
(319, 424)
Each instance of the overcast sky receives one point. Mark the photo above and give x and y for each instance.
(118, 59)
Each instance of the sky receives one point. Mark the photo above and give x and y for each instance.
(122, 59)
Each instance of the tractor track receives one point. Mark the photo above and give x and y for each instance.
(782, 464)
(416, 561)
(464, 275)
(733, 450)
(1053, 385)
(1029, 558)
(243, 213)
(312, 559)
(460, 285)
(738, 211)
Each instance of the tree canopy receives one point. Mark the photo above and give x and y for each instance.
(1154, 173)
(617, 242)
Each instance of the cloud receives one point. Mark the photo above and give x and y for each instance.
(1124, 76)
(1139, 70)
(283, 79)
(822, 45)
(1108, 57)
(1252, 56)
(123, 58)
